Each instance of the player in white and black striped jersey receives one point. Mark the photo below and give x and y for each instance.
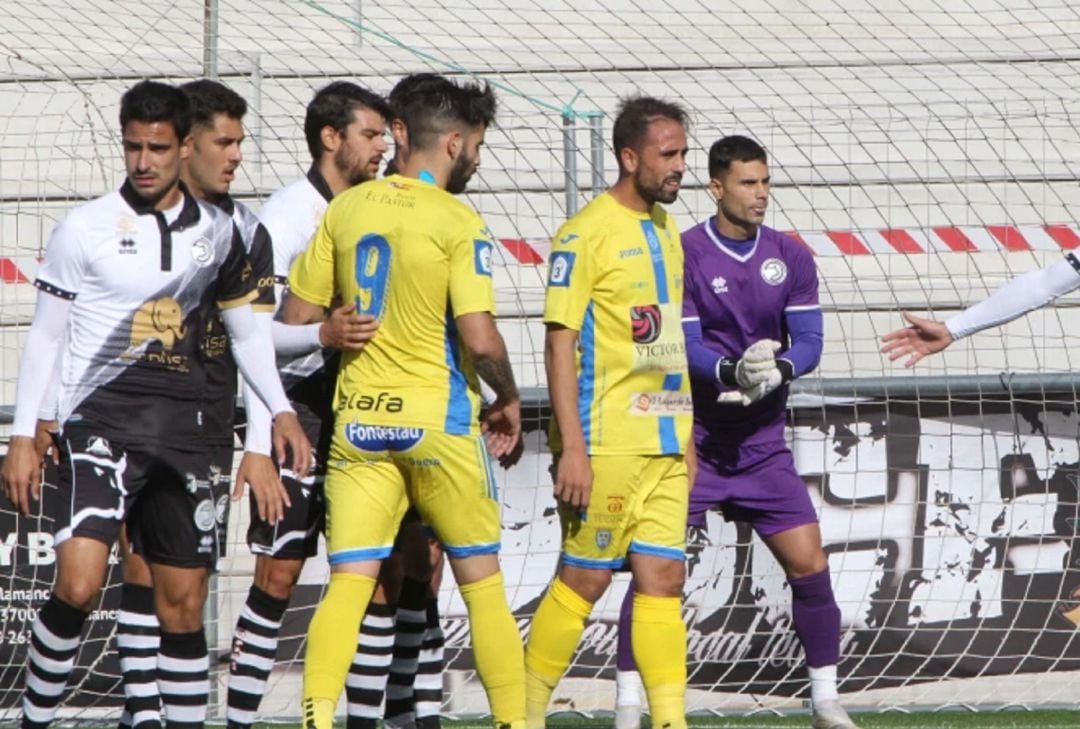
(208, 172)
(133, 277)
(345, 127)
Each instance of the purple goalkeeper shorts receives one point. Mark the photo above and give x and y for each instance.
(757, 484)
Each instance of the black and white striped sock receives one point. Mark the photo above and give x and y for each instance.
(409, 627)
(183, 674)
(428, 686)
(138, 639)
(54, 643)
(366, 682)
(254, 647)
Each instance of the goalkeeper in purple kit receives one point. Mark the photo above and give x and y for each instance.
(753, 324)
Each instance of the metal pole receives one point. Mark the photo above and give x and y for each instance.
(210, 39)
(256, 116)
(596, 150)
(570, 162)
(211, 615)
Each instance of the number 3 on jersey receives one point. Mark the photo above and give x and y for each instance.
(372, 274)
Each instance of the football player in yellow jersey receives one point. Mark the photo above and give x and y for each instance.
(620, 392)
(408, 425)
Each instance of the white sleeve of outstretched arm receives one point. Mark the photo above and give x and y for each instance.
(1017, 297)
(296, 340)
(50, 402)
(258, 438)
(254, 355)
(38, 365)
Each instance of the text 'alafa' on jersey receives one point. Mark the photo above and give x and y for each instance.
(616, 277)
(142, 291)
(415, 257)
(221, 371)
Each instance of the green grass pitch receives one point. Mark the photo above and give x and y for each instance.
(1012, 719)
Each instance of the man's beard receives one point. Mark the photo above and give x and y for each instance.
(353, 174)
(460, 174)
(654, 193)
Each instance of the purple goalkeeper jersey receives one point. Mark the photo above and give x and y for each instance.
(740, 299)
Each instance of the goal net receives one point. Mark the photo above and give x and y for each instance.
(924, 153)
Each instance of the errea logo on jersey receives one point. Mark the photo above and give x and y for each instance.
(562, 265)
(482, 252)
(719, 285)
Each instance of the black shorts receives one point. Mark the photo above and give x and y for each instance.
(166, 497)
(221, 469)
(296, 536)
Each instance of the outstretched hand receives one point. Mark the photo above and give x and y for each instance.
(922, 338)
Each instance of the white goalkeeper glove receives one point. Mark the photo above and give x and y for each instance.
(752, 368)
(749, 395)
(756, 374)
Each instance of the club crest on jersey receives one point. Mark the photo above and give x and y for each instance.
(202, 253)
(603, 539)
(774, 271)
(645, 323)
(719, 285)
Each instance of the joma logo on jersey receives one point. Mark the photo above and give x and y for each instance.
(383, 402)
(645, 323)
(161, 319)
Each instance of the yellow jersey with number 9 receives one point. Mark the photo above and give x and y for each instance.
(616, 277)
(415, 257)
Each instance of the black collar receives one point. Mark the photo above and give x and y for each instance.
(189, 214)
(225, 202)
(319, 183)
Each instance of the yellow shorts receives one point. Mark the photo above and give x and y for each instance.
(638, 504)
(376, 471)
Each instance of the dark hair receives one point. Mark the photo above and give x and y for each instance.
(735, 148)
(333, 106)
(209, 98)
(433, 107)
(153, 101)
(413, 85)
(634, 115)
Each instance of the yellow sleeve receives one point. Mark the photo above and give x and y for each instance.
(471, 251)
(570, 276)
(311, 276)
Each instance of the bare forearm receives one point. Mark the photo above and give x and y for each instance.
(563, 390)
(497, 373)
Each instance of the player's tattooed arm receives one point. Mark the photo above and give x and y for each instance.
(502, 420)
(498, 374)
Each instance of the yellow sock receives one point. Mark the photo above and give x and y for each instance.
(659, 639)
(318, 713)
(329, 655)
(553, 637)
(496, 643)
